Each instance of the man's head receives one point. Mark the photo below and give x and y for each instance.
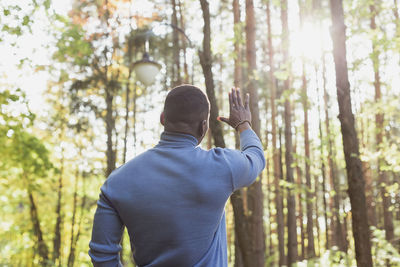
(186, 110)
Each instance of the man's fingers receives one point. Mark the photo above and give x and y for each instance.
(239, 98)
(247, 101)
(223, 119)
(234, 98)
(230, 101)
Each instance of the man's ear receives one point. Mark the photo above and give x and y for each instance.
(203, 128)
(162, 119)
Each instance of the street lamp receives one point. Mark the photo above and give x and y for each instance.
(146, 69)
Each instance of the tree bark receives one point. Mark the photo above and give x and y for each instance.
(350, 142)
(299, 181)
(256, 246)
(110, 125)
(275, 156)
(336, 225)
(309, 194)
(184, 45)
(379, 125)
(323, 168)
(71, 256)
(81, 217)
(237, 197)
(206, 64)
(127, 97)
(369, 181)
(43, 250)
(57, 229)
(291, 201)
(176, 75)
(237, 75)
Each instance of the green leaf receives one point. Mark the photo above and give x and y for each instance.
(26, 20)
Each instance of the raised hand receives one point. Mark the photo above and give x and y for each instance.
(239, 114)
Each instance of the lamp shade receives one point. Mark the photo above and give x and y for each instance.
(146, 70)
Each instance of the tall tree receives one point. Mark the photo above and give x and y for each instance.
(336, 225)
(59, 216)
(300, 184)
(206, 61)
(183, 42)
(291, 201)
(237, 197)
(309, 194)
(379, 125)
(350, 142)
(254, 195)
(323, 166)
(275, 151)
(176, 66)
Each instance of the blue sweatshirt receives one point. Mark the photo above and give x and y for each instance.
(171, 198)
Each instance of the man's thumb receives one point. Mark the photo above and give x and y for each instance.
(223, 119)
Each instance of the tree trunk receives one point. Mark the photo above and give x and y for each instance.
(183, 42)
(176, 75)
(256, 246)
(236, 199)
(283, 192)
(379, 126)
(81, 218)
(291, 201)
(369, 181)
(127, 97)
(309, 195)
(270, 248)
(316, 205)
(127, 103)
(71, 256)
(43, 250)
(350, 142)
(275, 156)
(237, 75)
(57, 229)
(110, 125)
(300, 201)
(323, 169)
(134, 116)
(336, 225)
(206, 64)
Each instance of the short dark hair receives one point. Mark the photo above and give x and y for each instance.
(186, 104)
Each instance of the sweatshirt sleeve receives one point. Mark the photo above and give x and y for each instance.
(247, 163)
(106, 233)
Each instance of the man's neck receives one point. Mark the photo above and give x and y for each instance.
(181, 130)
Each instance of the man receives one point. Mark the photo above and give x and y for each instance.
(171, 198)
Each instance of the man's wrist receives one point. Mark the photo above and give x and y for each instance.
(243, 126)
